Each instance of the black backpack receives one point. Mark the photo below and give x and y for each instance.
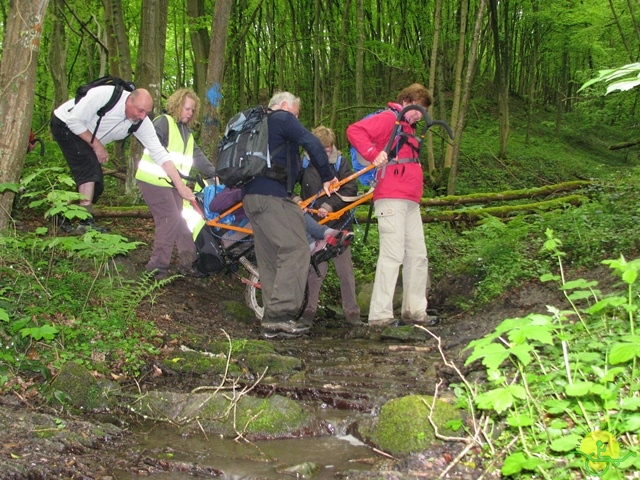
(119, 85)
(243, 152)
(209, 260)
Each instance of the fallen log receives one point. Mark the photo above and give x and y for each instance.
(472, 215)
(466, 214)
(620, 146)
(471, 198)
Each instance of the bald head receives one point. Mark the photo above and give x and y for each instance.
(138, 105)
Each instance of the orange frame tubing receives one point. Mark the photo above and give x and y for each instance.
(216, 222)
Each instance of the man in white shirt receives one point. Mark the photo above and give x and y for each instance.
(73, 126)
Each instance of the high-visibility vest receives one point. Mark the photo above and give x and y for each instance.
(181, 155)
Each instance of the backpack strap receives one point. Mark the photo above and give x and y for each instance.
(115, 97)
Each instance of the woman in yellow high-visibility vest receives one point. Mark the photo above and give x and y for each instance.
(161, 197)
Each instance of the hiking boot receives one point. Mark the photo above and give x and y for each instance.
(426, 321)
(285, 329)
(63, 224)
(90, 224)
(353, 319)
(191, 272)
(383, 323)
(308, 316)
(159, 273)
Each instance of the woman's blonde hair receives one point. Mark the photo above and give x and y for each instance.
(176, 102)
(325, 135)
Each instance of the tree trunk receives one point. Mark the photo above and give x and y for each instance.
(119, 63)
(149, 68)
(215, 72)
(457, 93)
(360, 56)
(200, 44)
(501, 77)
(466, 93)
(337, 77)
(21, 45)
(432, 170)
(58, 54)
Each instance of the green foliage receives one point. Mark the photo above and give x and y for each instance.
(63, 298)
(553, 378)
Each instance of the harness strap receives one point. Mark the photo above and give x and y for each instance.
(398, 161)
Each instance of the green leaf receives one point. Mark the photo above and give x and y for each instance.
(492, 354)
(579, 283)
(631, 424)
(522, 353)
(623, 352)
(610, 302)
(520, 420)
(578, 389)
(517, 462)
(48, 332)
(498, 399)
(556, 406)
(566, 443)
(630, 403)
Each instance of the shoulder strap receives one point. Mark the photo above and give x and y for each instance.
(115, 97)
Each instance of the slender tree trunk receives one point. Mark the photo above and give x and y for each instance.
(466, 93)
(58, 54)
(21, 45)
(360, 56)
(455, 107)
(215, 72)
(149, 68)
(433, 173)
(200, 44)
(501, 77)
(621, 30)
(119, 63)
(337, 77)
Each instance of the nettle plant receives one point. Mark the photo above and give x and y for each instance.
(553, 378)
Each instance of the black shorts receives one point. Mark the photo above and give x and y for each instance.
(80, 157)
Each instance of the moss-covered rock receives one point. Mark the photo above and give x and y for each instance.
(217, 413)
(240, 348)
(275, 364)
(200, 364)
(76, 386)
(403, 424)
(405, 334)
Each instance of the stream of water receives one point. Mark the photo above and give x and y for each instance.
(345, 380)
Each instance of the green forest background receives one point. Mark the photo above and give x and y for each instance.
(504, 74)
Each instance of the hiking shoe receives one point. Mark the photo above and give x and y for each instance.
(308, 316)
(63, 224)
(286, 329)
(191, 272)
(383, 323)
(427, 321)
(90, 224)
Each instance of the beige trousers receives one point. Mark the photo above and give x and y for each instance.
(401, 244)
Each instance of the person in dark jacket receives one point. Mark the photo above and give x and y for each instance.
(311, 184)
(280, 243)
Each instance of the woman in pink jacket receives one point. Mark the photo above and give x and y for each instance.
(396, 201)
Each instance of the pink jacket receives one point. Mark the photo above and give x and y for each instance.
(396, 180)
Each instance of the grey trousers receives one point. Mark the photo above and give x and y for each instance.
(344, 270)
(165, 204)
(282, 252)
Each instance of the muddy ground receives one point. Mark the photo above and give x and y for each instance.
(191, 310)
